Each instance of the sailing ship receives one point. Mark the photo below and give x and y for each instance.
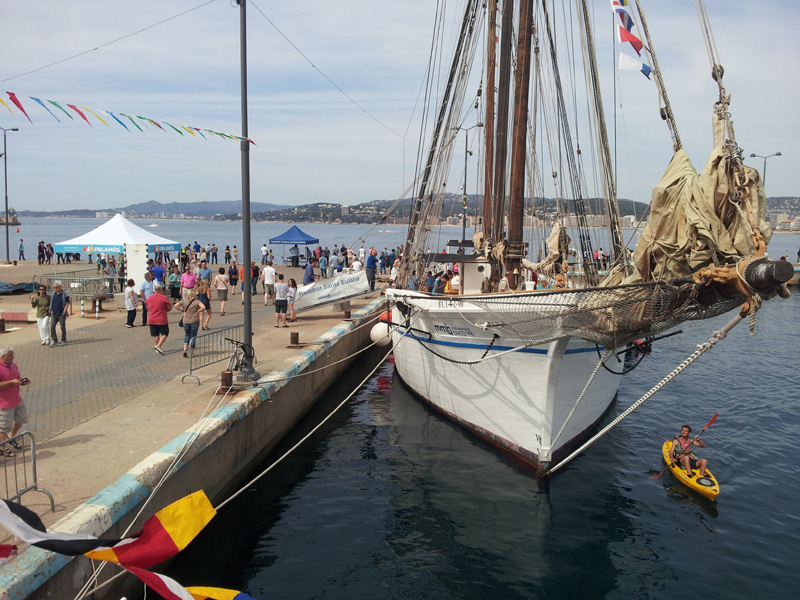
(524, 347)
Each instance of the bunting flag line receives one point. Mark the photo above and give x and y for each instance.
(628, 63)
(163, 535)
(81, 111)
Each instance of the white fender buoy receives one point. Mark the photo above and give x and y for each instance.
(381, 333)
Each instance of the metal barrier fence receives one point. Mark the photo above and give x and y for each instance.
(87, 271)
(19, 470)
(212, 347)
(83, 286)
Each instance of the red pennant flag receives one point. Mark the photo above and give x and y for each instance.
(78, 110)
(627, 36)
(18, 104)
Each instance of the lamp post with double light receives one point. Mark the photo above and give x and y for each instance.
(5, 179)
(467, 154)
(764, 170)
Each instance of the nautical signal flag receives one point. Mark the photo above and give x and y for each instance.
(169, 589)
(628, 63)
(164, 535)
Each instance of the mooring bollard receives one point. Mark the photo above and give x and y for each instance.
(226, 380)
(97, 309)
(83, 312)
(294, 338)
(347, 314)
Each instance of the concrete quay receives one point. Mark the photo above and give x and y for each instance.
(110, 417)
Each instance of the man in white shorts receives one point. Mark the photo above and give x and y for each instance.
(269, 282)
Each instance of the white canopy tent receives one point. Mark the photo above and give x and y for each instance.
(113, 236)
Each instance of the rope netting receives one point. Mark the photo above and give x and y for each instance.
(609, 317)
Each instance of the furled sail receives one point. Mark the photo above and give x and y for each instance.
(694, 218)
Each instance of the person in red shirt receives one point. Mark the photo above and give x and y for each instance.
(13, 412)
(158, 305)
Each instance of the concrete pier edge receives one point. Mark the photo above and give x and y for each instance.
(117, 503)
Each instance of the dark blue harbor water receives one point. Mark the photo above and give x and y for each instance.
(389, 500)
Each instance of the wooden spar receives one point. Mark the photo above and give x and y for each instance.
(612, 206)
(501, 132)
(491, 57)
(466, 24)
(516, 246)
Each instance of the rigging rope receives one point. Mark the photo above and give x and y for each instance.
(701, 349)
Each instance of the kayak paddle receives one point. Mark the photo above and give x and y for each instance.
(711, 422)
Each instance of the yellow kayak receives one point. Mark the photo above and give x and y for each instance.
(706, 486)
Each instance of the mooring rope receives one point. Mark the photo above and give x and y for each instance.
(701, 349)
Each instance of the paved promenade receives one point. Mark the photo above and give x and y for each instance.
(107, 400)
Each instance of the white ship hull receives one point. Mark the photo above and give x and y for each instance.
(516, 397)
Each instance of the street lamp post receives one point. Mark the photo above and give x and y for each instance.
(764, 170)
(5, 179)
(467, 153)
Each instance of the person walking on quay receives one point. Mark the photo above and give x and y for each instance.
(235, 253)
(308, 276)
(158, 305)
(21, 250)
(204, 273)
(130, 303)
(269, 282)
(214, 254)
(41, 302)
(203, 291)
(221, 285)
(264, 252)
(13, 412)
(291, 296)
(294, 252)
(233, 276)
(323, 266)
(175, 283)
(145, 291)
(59, 310)
(227, 255)
(188, 282)
(281, 300)
(254, 275)
(372, 269)
(192, 316)
(40, 253)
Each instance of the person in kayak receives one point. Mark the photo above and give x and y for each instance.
(681, 452)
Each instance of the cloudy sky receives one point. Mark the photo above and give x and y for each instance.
(333, 87)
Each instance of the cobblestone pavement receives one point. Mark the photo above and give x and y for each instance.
(106, 364)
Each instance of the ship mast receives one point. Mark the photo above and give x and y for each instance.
(516, 245)
(491, 57)
(501, 130)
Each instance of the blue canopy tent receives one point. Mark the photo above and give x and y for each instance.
(296, 237)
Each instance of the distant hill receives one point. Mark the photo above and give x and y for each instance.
(190, 209)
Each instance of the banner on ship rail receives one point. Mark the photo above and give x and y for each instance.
(136, 122)
(331, 290)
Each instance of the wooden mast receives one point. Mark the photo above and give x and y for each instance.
(501, 132)
(516, 245)
(491, 57)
